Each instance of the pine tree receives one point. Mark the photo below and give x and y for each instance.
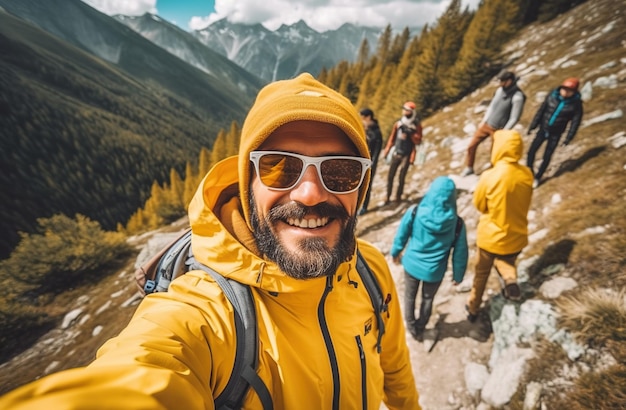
(191, 182)
(384, 44)
(232, 142)
(176, 191)
(399, 46)
(364, 52)
(204, 164)
(405, 78)
(219, 148)
(441, 45)
(323, 76)
(492, 25)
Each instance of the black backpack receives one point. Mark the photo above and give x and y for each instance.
(176, 259)
(405, 146)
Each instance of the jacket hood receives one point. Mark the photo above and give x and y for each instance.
(222, 240)
(301, 98)
(507, 146)
(437, 210)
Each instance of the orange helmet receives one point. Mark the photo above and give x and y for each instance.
(409, 105)
(572, 83)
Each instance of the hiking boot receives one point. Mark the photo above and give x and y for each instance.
(467, 171)
(535, 183)
(471, 316)
(513, 292)
(417, 332)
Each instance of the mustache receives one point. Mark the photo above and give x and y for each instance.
(297, 210)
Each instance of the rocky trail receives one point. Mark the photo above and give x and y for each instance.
(450, 341)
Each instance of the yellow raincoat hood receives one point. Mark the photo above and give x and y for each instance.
(502, 196)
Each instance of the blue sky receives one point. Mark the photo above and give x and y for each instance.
(321, 15)
(180, 12)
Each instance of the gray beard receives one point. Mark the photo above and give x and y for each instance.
(314, 258)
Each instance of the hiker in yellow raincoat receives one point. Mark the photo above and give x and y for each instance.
(280, 217)
(502, 196)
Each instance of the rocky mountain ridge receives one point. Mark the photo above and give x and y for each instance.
(270, 55)
(287, 51)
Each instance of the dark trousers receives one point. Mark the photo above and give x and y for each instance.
(396, 161)
(429, 289)
(553, 142)
(366, 201)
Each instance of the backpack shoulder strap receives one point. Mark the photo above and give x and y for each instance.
(246, 358)
(166, 265)
(175, 260)
(376, 295)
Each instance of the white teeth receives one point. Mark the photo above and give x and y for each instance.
(308, 223)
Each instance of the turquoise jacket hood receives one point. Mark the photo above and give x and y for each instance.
(429, 235)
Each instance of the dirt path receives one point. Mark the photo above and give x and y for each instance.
(439, 360)
(451, 343)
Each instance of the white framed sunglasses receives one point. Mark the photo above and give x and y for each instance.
(282, 171)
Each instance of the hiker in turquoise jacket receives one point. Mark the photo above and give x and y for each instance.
(433, 235)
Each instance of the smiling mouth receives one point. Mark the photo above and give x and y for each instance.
(308, 223)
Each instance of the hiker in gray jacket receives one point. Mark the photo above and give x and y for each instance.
(503, 112)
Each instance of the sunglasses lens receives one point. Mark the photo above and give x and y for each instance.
(282, 171)
(279, 171)
(342, 174)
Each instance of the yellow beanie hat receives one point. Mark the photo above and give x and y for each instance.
(301, 98)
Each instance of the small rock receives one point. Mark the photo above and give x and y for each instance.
(533, 396)
(71, 317)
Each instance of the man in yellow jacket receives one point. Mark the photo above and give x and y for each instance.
(502, 196)
(279, 217)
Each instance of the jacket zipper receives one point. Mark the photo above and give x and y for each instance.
(363, 372)
(329, 344)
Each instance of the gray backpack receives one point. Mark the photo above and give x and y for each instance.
(176, 259)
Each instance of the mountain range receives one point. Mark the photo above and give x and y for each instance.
(270, 55)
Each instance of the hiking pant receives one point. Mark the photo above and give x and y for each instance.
(429, 289)
(505, 267)
(366, 201)
(396, 161)
(553, 142)
(481, 133)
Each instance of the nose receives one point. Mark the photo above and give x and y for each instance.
(310, 190)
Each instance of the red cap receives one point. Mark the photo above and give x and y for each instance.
(409, 105)
(572, 83)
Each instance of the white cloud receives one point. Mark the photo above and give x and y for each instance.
(126, 7)
(321, 15)
(327, 15)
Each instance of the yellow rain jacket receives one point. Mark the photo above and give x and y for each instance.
(502, 196)
(317, 338)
